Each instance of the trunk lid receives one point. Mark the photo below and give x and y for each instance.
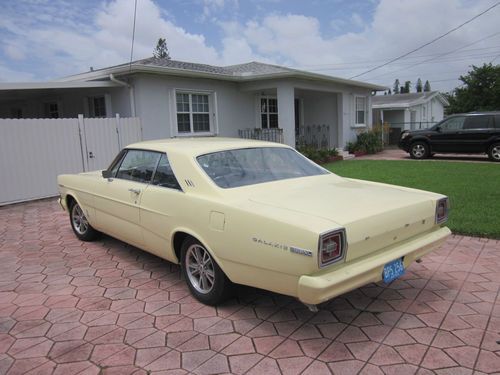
(374, 215)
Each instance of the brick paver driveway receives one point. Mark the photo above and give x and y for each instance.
(68, 307)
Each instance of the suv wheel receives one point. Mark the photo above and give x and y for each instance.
(419, 150)
(494, 152)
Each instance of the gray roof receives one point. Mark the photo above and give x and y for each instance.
(242, 72)
(404, 99)
(251, 68)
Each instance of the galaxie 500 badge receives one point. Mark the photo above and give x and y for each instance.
(276, 245)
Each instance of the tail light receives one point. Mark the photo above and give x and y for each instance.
(332, 247)
(442, 208)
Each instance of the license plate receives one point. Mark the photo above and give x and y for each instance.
(393, 270)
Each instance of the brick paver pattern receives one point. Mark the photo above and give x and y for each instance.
(70, 307)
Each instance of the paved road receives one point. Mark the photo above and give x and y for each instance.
(68, 307)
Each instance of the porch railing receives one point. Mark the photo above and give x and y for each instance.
(316, 136)
(271, 134)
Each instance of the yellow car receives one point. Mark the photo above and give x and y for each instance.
(235, 211)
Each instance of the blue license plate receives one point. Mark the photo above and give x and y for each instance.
(393, 270)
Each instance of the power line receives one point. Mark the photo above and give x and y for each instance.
(426, 44)
(133, 38)
(441, 55)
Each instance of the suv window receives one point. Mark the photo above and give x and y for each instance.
(164, 176)
(479, 122)
(453, 123)
(138, 165)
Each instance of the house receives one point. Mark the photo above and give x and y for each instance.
(176, 99)
(408, 111)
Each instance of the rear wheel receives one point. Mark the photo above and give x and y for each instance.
(419, 150)
(79, 223)
(205, 279)
(494, 152)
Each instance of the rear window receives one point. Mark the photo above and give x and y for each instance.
(479, 122)
(249, 166)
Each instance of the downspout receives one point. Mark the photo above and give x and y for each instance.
(131, 92)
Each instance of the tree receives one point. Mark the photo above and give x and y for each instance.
(396, 86)
(161, 50)
(480, 90)
(406, 88)
(427, 86)
(418, 86)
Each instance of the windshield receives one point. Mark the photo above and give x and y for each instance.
(248, 166)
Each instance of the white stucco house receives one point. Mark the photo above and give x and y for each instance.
(177, 99)
(408, 111)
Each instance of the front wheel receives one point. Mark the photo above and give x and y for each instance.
(494, 152)
(419, 150)
(205, 279)
(80, 225)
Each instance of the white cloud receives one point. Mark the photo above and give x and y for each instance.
(61, 46)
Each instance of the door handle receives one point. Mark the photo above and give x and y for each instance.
(135, 191)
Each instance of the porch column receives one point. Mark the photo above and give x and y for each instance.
(286, 112)
(345, 120)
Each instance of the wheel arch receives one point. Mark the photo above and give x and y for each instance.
(179, 236)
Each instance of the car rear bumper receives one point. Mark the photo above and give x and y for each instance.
(317, 289)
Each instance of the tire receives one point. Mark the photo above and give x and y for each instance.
(494, 152)
(419, 150)
(212, 286)
(81, 227)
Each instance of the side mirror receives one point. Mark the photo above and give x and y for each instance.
(106, 174)
(438, 128)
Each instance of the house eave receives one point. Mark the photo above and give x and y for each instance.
(136, 68)
(4, 86)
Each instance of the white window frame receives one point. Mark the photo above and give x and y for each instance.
(364, 123)
(212, 112)
(260, 113)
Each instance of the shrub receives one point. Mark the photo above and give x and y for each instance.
(369, 141)
(318, 156)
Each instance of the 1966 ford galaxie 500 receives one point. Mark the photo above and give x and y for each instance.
(254, 213)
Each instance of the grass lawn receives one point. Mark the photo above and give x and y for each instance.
(473, 188)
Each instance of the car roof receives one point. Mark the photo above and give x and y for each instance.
(476, 113)
(195, 146)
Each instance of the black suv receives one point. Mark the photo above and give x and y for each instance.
(463, 133)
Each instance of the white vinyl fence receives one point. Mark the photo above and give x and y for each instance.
(34, 151)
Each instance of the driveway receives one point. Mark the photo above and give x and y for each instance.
(68, 307)
(397, 154)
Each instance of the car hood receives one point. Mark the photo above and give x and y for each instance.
(374, 215)
(420, 132)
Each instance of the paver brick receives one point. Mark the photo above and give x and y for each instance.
(69, 307)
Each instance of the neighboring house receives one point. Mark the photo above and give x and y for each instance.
(408, 111)
(176, 99)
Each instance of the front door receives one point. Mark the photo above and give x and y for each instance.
(446, 138)
(118, 198)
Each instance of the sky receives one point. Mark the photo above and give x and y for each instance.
(47, 39)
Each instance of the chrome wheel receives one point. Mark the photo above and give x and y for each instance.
(200, 268)
(495, 153)
(418, 151)
(78, 219)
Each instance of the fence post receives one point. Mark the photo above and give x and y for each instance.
(81, 127)
(117, 126)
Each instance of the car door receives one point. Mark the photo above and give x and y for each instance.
(476, 133)
(118, 198)
(446, 136)
(161, 204)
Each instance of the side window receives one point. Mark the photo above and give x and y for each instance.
(164, 175)
(479, 122)
(454, 123)
(138, 166)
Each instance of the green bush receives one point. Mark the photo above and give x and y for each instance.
(318, 156)
(369, 141)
